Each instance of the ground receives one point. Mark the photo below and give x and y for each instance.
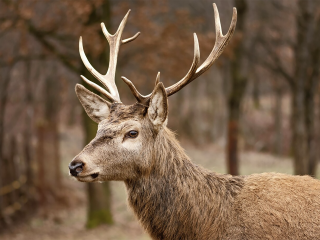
(67, 223)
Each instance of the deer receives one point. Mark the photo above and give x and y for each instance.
(172, 197)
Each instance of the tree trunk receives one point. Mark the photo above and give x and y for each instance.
(299, 136)
(4, 82)
(278, 121)
(48, 142)
(28, 131)
(238, 86)
(302, 60)
(311, 87)
(233, 159)
(41, 184)
(99, 206)
(310, 131)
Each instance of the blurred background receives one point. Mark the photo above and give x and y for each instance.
(256, 110)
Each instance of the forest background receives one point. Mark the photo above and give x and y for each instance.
(255, 110)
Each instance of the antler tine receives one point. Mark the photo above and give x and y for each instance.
(130, 39)
(157, 79)
(221, 41)
(217, 22)
(194, 72)
(174, 88)
(108, 80)
(186, 79)
(220, 44)
(98, 88)
(140, 98)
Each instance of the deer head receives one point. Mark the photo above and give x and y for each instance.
(126, 139)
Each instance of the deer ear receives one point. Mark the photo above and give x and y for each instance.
(158, 106)
(95, 106)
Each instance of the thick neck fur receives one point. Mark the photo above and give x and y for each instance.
(180, 200)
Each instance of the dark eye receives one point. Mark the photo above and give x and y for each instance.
(132, 134)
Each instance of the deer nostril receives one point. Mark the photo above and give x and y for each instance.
(76, 167)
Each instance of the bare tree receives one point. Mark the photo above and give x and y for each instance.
(238, 86)
(302, 74)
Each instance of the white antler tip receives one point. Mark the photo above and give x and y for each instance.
(130, 39)
(125, 79)
(105, 31)
(196, 43)
(80, 45)
(234, 11)
(126, 16)
(157, 79)
(195, 36)
(103, 27)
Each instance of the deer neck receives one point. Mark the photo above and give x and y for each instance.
(179, 197)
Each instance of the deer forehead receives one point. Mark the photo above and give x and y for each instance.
(122, 115)
(120, 112)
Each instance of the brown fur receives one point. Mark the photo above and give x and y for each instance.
(180, 200)
(176, 199)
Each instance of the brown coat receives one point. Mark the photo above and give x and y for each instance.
(180, 200)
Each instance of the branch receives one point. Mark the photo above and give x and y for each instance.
(40, 36)
(12, 61)
(3, 97)
(276, 66)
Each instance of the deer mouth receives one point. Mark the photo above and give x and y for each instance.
(87, 178)
(94, 175)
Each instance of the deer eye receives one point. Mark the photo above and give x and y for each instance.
(132, 134)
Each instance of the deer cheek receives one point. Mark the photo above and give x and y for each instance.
(132, 144)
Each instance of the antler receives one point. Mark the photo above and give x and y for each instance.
(195, 71)
(108, 80)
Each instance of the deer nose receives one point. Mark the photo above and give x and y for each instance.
(76, 167)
